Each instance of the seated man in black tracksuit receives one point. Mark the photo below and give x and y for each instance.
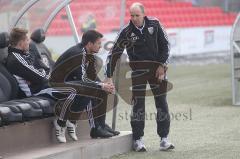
(31, 80)
(85, 74)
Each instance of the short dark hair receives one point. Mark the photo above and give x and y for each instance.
(16, 35)
(90, 36)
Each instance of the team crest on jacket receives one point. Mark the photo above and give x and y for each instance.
(150, 30)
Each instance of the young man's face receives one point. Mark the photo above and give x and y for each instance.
(24, 44)
(95, 47)
(137, 16)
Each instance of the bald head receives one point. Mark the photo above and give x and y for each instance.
(137, 14)
(137, 5)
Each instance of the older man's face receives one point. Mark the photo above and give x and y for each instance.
(137, 17)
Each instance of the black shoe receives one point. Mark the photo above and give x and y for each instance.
(109, 129)
(100, 132)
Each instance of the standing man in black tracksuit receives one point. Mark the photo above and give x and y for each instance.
(86, 75)
(145, 41)
(31, 80)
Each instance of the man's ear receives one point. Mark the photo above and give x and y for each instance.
(89, 44)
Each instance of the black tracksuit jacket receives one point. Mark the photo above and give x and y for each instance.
(148, 44)
(30, 79)
(86, 71)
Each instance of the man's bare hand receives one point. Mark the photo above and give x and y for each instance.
(108, 87)
(160, 73)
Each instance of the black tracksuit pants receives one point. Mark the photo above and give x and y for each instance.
(139, 83)
(96, 108)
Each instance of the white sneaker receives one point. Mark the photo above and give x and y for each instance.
(60, 132)
(166, 145)
(138, 145)
(72, 130)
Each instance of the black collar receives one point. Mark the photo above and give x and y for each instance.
(15, 50)
(80, 45)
